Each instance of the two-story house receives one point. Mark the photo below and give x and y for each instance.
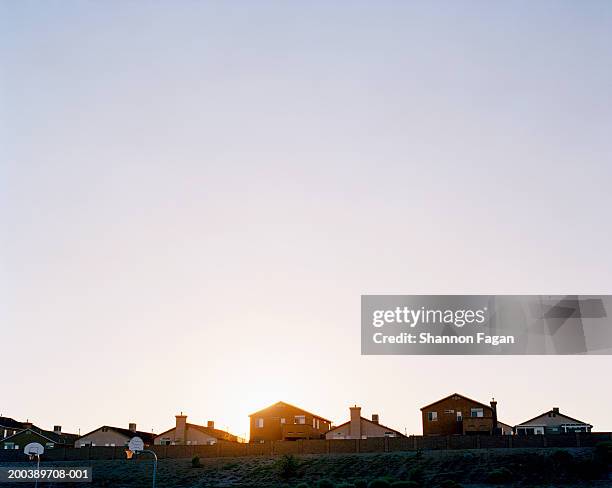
(283, 421)
(458, 414)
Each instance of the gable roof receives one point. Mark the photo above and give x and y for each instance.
(147, 437)
(459, 395)
(292, 406)
(369, 421)
(33, 432)
(211, 431)
(10, 423)
(558, 414)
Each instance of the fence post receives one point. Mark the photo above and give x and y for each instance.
(386, 444)
(89, 453)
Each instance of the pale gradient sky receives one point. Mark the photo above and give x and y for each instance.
(194, 195)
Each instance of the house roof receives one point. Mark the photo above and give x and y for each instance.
(54, 440)
(456, 394)
(147, 437)
(292, 406)
(369, 421)
(10, 423)
(216, 433)
(558, 414)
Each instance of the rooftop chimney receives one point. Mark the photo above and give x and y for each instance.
(355, 426)
(494, 428)
(211, 424)
(556, 410)
(132, 427)
(57, 429)
(375, 418)
(27, 424)
(181, 429)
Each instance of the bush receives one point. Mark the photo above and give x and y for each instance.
(195, 462)
(416, 475)
(379, 483)
(562, 459)
(303, 485)
(405, 484)
(288, 466)
(345, 484)
(500, 476)
(603, 452)
(325, 484)
(361, 484)
(449, 484)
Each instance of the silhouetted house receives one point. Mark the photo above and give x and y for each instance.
(458, 414)
(552, 422)
(283, 421)
(113, 436)
(359, 427)
(9, 427)
(184, 433)
(49, 439)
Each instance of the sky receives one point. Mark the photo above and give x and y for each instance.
(194, 196)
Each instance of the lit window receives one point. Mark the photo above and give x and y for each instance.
(283, 421)
(299, 419)
(260, 423)
(459, 416)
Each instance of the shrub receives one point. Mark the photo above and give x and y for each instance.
(379, 483)
(287, 466)
(500, 476)
(195, 462)
(562, 458)
(449, 484)
(302, 485)
(405, 484)
(589, 469)
(416, 474)
(325, 484)
(361, 484)
(603, 452)
(345, 484)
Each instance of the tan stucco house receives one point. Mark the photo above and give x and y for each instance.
(359, 427)
(184, 433)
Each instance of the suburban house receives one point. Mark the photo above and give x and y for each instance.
(552, 422)
(49, 439)
(458, 414)
(191, 434)
(113, 436)
(9, 426)
(359, 427)
(283, 421)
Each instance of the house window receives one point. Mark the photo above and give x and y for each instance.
(299, 419)
(449, 411)
(477, 412)
(260, 423)
(459, 416)
(49, 445)
(314, 423)
(283, 420)
(318, 424)
(9, 445)
(432, 416)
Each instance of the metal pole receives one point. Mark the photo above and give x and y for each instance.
(37, 469)
(154, 465)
